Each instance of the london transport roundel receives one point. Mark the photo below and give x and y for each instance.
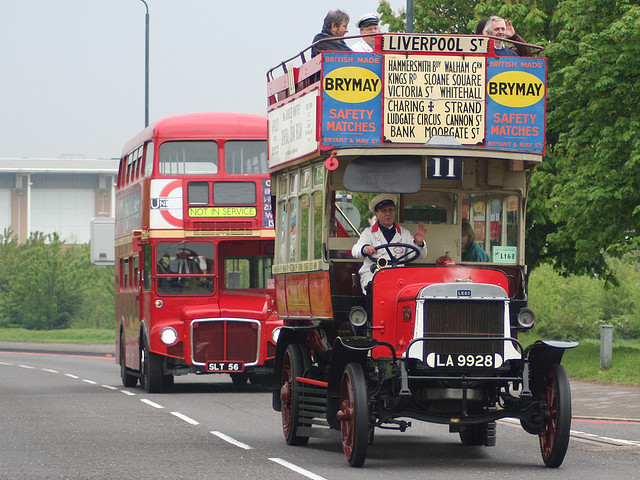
(166, 204)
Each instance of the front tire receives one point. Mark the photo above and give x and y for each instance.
(354, 415)
(554, 440)
(151, 365)
(239, 379)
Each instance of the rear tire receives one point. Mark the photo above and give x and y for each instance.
(292, 367)
(471, 435)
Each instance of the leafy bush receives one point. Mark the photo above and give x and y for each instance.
(49, 285)
(575, 307)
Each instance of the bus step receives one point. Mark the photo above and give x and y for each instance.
(312, 403)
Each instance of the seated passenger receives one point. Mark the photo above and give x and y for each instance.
(384, 231)
(368, 25)
(335, 27)
(471, 251)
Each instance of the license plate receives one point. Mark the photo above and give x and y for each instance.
(464, 360)
(224, 367)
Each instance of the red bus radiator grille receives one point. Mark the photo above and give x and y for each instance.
(225, 340)
(471, 319)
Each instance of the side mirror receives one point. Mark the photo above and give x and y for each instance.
(136, 243)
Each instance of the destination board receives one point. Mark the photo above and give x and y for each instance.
(426, 96)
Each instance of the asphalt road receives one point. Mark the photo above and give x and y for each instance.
(64, 414)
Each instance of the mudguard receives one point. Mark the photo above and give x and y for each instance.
(540, 356)
(345, 350)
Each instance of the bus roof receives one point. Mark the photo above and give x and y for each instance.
(204, 125)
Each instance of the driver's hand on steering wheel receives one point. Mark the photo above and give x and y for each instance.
(369, 250)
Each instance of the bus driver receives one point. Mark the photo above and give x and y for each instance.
(384, 231)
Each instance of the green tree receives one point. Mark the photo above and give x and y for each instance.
(595, 117)
(584, 200)
(432, 16)
(44, 290)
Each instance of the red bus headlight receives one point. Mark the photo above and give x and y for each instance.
(169, 336)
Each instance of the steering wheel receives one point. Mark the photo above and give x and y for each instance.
(406, 257)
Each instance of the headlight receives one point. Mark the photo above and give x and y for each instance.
(275, 334)
(526, 318)
(169, 336)
(358, 316)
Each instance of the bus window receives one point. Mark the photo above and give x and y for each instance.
(494, 218)
(248, 272)
(181, 268)
(198, 193)
(246, 157)
(146, 266)
(317, 224)
(124, 274)
(148, 160)
(432, 208)
(189, 158)
(234, 193)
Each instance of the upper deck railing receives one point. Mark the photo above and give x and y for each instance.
(411, 88)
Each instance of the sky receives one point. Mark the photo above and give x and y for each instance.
(73, 71)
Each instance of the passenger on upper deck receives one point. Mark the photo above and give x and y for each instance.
(368, 25)
(335, 26)
(522, 50)
(471, 251)
(384, 231)
(497, 27)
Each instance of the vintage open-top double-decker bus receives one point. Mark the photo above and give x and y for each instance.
(453, 132)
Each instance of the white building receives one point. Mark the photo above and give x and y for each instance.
(56, 195)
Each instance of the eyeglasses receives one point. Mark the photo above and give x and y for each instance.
(387, 210)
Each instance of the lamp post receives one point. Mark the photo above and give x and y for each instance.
(409, 26)
(146, 64)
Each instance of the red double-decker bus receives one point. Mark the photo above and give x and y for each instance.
(194, 248)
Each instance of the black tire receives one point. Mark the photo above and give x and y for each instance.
(471, 435)
(239, 379)
(292, 367)
(128, 380)
(354, 415)
(554, 440)
(151, 365)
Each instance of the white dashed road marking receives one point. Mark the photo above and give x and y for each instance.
(149, 402)
(181, 416)
(297, 469)
(231, 440)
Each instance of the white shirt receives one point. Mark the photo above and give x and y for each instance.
(373, 236)
(361, 46)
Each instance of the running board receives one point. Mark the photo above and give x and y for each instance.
(312, 410)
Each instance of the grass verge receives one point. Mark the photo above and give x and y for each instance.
(82, 336)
